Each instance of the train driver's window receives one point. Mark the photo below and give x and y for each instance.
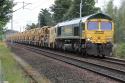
(83, 26)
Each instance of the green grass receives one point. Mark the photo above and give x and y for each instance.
(12, 72)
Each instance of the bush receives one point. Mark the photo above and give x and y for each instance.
(121, 50)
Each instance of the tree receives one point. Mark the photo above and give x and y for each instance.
(110, 8)
(32, 26)
(88, 7)
(5, 13)
(5, 10)
(69, 9)
(59, 9)
(121, 15)
(45, 18)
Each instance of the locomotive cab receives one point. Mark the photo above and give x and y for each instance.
(99, 36)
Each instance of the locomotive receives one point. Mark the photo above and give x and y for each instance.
(89, 35)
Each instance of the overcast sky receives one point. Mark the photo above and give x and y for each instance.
(30, 13)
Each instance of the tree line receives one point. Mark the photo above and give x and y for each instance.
(63, 10)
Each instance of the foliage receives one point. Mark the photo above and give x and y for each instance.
(121, 50)
(45, 18)
(32, 26)
(5, 10)
(65, 10)
(110, 9)
(60, 8)
(87, 8)
(121, 22)
(69, 9)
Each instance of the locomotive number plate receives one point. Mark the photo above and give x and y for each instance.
(99, 32)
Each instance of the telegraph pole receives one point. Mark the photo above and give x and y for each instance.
(24, 5)
(80, 26)
(81, 9)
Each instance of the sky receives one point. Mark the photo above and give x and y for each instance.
(30, 13)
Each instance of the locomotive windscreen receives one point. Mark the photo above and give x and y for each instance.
(106, 26)
(93, 25)
(103, 25)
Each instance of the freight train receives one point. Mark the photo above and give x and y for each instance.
(89, 35)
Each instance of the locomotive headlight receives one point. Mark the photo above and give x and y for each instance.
(88, 39)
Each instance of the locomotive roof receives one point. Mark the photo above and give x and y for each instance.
(83, 19)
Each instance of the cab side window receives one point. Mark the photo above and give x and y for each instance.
(83, 26)
(76, 30)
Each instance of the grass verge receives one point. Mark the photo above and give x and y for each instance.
(11, 71)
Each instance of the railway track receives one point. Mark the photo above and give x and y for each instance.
(116, 60)
(116, 71)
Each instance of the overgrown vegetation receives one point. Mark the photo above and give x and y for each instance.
(11, 71)
(121, 50)
(118, 15)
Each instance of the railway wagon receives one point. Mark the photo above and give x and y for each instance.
(41, 36)
(44, 37)
(48, 37)
(37, 36)
(92, 35)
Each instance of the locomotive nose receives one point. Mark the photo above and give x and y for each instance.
(98, 38)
